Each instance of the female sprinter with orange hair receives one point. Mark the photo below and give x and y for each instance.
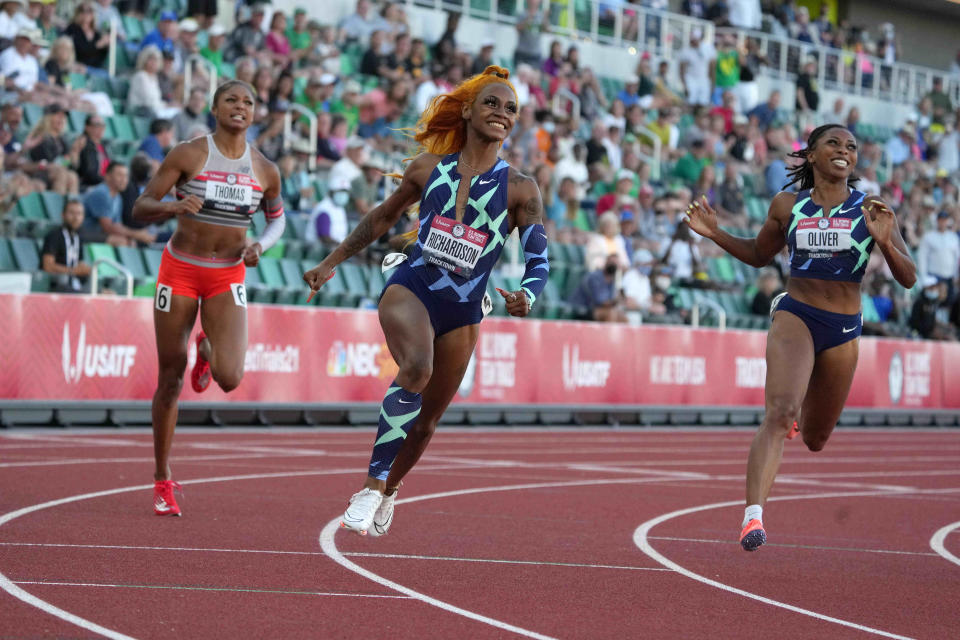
(430, 309)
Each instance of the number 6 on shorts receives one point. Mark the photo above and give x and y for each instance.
(161, 301)
(239, 294)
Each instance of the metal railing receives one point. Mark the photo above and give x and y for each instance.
(712, 305)
(288, 131)
(664, 34)
(95, 275)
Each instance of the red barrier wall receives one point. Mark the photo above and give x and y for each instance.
(85, 348)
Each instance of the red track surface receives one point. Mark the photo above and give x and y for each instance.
(565, 559)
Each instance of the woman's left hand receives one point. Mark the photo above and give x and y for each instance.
(880, 220)
(251, 254)
(517, 304)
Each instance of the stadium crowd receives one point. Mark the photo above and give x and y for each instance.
(614, 208)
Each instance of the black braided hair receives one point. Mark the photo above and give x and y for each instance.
(803, 173)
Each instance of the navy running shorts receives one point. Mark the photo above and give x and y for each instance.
(827, 329)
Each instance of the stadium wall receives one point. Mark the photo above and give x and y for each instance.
(97, 355)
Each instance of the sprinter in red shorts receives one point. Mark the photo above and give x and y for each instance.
(220, 183)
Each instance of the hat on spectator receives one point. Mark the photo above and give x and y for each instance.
(53, 108)
(216, 29)
(625, 215)
(339, 184)
(373, 161)
(298, 11)
(356, 142)
(33, 35)
(352, 86)
(258, 7)
(625, 174)
(908, 129)
(487, 42)
(646, 190)
(327, 79)
(189, 25)
(930, 281)
(929, 201)
(740, 119)
(943, 214)
(22, 3)
(633, 79)
(168, 16)
(696, 33)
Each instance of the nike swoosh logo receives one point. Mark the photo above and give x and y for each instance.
(849, 330)
(401, 401)
(161, 505)
(486, 181)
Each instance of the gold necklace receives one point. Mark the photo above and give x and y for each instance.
(464, 163)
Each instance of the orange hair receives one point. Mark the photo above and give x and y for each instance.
(441, 128)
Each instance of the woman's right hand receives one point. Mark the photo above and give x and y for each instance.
(316, 277)
(190, 204)
(702, 218)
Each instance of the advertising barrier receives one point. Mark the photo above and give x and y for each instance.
(101, 348)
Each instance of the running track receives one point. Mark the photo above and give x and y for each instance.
(500, 534)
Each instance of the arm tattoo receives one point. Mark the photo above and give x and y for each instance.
(360, 237)
(532, 211)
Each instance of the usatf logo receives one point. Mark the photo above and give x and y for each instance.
(231, 178)
(457, 231)
(823, 224)
(95, 360)
(579, 373)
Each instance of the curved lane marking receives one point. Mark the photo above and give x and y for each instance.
(640, 538)
(938, 539)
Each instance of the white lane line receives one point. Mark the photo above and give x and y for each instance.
(124, 547)
(642, 539)
(938, 540)
(229, 589)
(802, 546)
(66, 461)
(329, 546)
(360, 554)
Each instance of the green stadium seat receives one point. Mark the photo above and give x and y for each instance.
(53, 203)
(97, 250)
(354, 282)
(293, 277)
(6, 256)
(25, 254)
(257, 290)
(272, 277)
(141, 127)
(131, 258)
(121, 129)
(32, 113)
(151, 258)
(40, 282)
(375, 282)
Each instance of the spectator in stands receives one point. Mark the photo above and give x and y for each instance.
(902, 146)
(940, 100)
(802, 29)
(163, 35)
(394, 19)
(348, 168)
(328, 220)
(358, 26)
(213, 51)
(13, 19)
(682, 255)
(694, 8)
(93, 159)
(597, 297)
(948, 149)
(160, 140)
(141, 171)
(324, 50)
(49, 23)
(533, 21)
(768, 287)
(705, 185)
(445, 49)
(621, 194)
(928, 315)
(551, 66)
(282, 91)
(768, 112)
(186, 44)
(727, 66)
(484, 57)
(378, 60)
(276, 40)
(145, 98)
(605, 242)
(365, 188)
(298, 35)
(247, 38)
(688, 168)
(637, 287)
(808, 95)
(62, 253)
(203, 11)
(19, 64)
(14, 184)
(565, 211)
(62, 63)
(104, 211)
(193, 114)
(939, 254)
(296, 185)
(696, 68)
(270, 139)
(49, 153)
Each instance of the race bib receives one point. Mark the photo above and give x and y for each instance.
(230, 189)
(453, 246)
(824, 237)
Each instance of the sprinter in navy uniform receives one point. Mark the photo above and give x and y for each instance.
(830, 229)
(430, 309)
